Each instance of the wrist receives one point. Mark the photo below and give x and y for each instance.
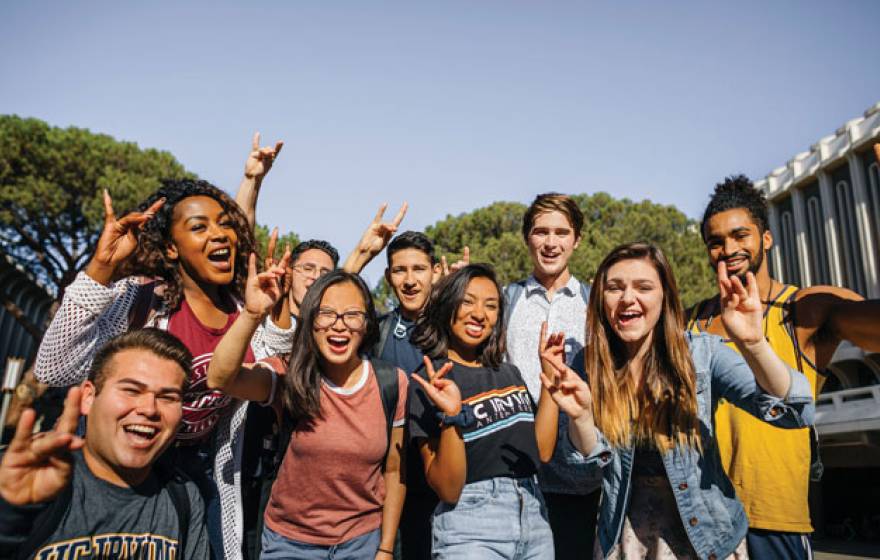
(100, 272)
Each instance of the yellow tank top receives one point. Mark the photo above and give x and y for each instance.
(769, 466)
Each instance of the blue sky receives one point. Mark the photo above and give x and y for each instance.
(449, 105)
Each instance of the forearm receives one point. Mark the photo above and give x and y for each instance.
(246, 197)
(546, 425)
(582, 431)
(230, 352)
(395, 494)
(858, 322)
(770, 371)
(447, 471)
(357, 260)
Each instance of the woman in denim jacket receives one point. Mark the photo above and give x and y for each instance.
(646, 417)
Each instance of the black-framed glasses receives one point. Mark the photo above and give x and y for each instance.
(354, 320)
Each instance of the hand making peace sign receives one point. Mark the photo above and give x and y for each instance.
(260, 160)
(443, 392)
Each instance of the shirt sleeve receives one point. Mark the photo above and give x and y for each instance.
(402, 392)
(90, 315)
(16, 524)
(421, 412)
(733, 380)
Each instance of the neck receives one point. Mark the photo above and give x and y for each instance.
(552, 282)
(463, 355)
(409, 315)
(199, 293)
(114, 474)
(342, 375)
(635, 354)
(766, 284)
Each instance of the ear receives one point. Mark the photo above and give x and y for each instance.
(436, 273)
(171, 252)
(577, 242)
(768, 239)
(89, 391)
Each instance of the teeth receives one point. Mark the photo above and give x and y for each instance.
(220, 253)
(145, 430)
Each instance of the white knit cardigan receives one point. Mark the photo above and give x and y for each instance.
(90, 315)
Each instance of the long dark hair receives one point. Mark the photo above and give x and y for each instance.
(150, 260)
(434, 326)
(302, 384)
(663, 410)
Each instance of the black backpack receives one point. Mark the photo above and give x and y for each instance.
(386, 376)
(47, 522)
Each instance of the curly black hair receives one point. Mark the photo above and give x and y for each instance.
(737, 191)
(150, 259)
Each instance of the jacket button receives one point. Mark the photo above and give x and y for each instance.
(693, 521)
(605, 455)
(683, 486)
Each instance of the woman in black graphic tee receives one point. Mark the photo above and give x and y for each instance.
(479, 433)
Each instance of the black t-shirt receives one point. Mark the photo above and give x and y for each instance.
(502, 442)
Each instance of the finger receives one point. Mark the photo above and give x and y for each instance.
(400, 214)
(466, 256)
(443, 371)
(151, 211)
(69, 419)
(544, 340)
(429, 389)
(24, 431)
(278, 146)
(429, 367)
(444, 266)
(51, 444)
(255, 142)
(738, 288)
(273, 240)
(549, 385)
(285, 258)
(109, 216)
(380, 213)
(752, 286)
(252, 265)
(723, 277)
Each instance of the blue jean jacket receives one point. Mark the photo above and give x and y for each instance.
(709, 510)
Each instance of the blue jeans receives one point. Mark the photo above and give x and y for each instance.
(499, 518)
(279, 547)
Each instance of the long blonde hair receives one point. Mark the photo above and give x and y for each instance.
(663, 409)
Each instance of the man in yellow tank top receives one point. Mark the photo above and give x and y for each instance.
(769, 467)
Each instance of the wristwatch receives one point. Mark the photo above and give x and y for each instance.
(464, 419)
(25, 394)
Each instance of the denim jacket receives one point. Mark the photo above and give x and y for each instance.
(709, 510)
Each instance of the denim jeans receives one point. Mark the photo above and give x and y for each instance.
(498, 518)
(279, 547)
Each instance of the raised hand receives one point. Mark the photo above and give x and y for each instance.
(570, 393)
(379, 233)
(260, 160)
(443, 392)
(741, 309)
(118, 238)
(447, 269)
(263, 290)
(269, 262)
(551, 350)
(36, 467)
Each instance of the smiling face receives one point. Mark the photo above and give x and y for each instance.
(410, 275)
(633, 300)
(476, 316)
(734, 237)
(309, 266)
(339, 341)
(551, 242)
(203, 240)
(135, 415)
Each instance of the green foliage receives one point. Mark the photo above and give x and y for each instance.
(493, 234)
(262, 233)
(51, 183)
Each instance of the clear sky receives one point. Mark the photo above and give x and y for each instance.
(449, 105)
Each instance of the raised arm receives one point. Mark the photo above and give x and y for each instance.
(227, 372)
(258, 164)
(444, 456)
(573, 397)
(374, 239)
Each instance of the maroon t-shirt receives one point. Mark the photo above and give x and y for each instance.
(202, 407)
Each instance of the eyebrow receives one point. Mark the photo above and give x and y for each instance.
(143, 386)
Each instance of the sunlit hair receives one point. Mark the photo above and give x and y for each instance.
(663, 410)
(150, 258)
(433, 331)
(160, 343)
(302, 384)
(554, 202)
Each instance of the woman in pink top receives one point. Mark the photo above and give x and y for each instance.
(339, 491)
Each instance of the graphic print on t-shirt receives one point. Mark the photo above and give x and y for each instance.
(113, 545)
(499, 408)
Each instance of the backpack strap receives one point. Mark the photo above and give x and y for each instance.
(46, 523)
(585, 292)
(145, 301)
(386, 376)
(512, 292)
(386, 323)
(175, 482)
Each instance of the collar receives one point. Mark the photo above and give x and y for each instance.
(571, 288)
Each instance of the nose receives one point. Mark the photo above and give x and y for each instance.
(217, 232)
(409, 279)
(628, 296)
(147, 405)
(478, 311)
(730, 246)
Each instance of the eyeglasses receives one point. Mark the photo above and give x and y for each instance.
(311, 269)
(354, 320)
